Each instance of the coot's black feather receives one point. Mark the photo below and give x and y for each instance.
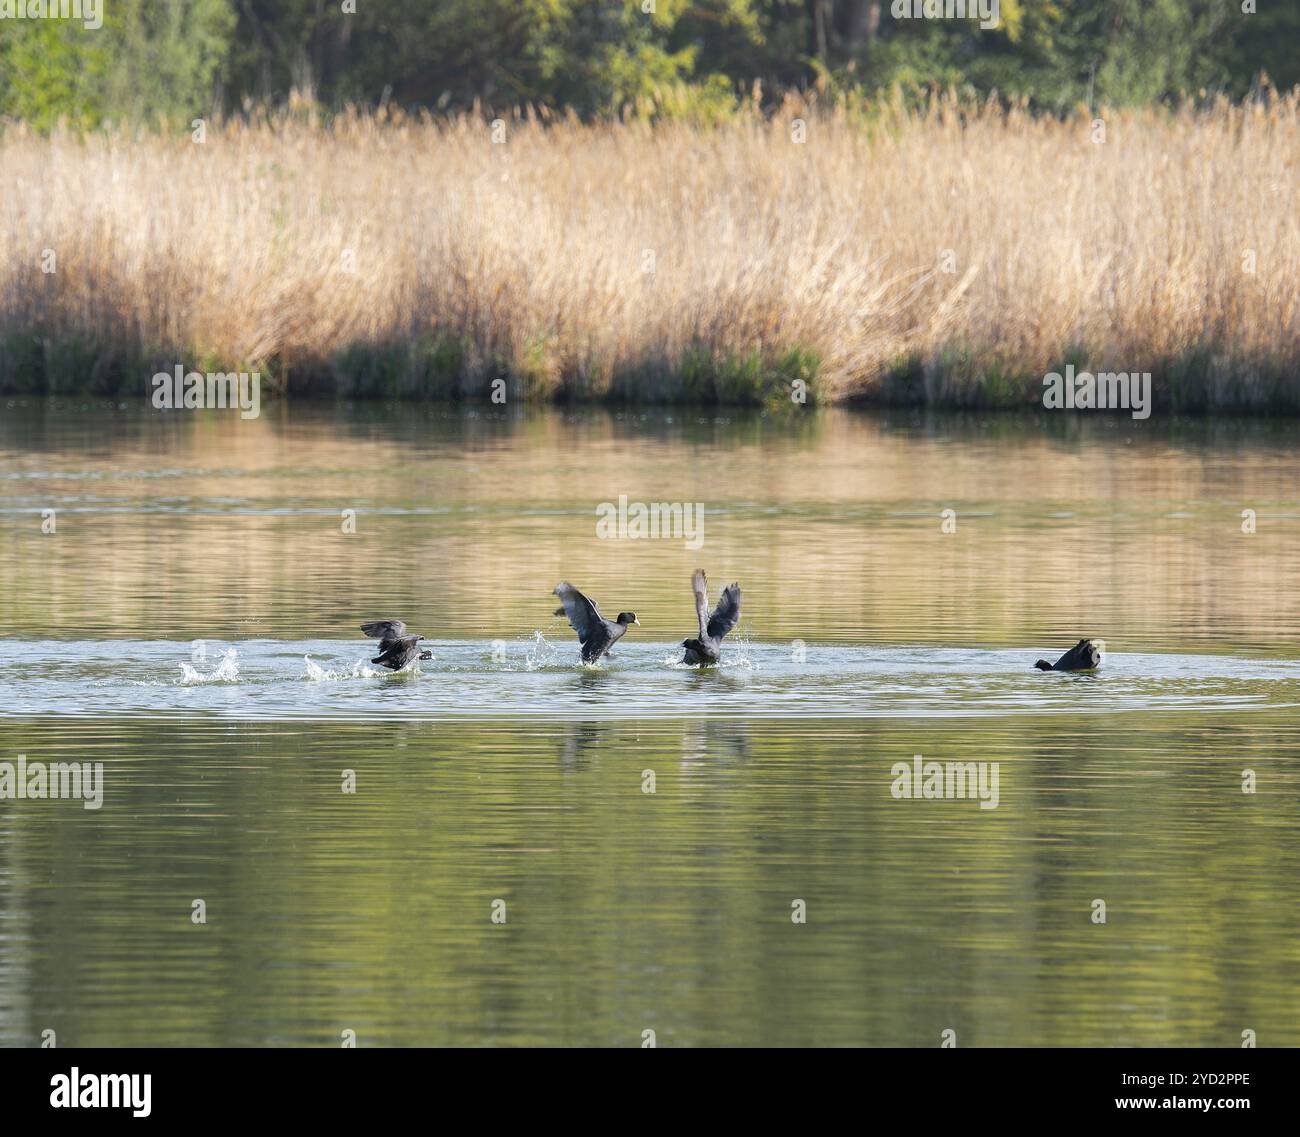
(713, 627)
(596, 634)
(1086, 655)
(396, 649)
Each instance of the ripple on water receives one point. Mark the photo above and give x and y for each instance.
(531, 677)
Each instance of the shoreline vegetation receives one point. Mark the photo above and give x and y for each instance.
(949, 256)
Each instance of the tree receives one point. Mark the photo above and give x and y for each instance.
(146, 60)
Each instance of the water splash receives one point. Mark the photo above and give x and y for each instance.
(735, 657)
(227, 671)
(316, 673)
(360, 670)
(544, 654)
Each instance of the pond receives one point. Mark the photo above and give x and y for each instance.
(507, 847)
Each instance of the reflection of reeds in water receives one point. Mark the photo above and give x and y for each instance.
(834, 532)
(414, 257)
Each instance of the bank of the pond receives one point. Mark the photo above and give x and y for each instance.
(948, 259)
(438, 371)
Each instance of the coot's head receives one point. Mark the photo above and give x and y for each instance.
(628, 618)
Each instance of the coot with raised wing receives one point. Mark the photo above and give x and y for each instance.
(396, 648)
(596, 634)
(708, 648)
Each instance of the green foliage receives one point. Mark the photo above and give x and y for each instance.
(426, 367)
(144, 61)
(67, 363)
(52, 70)
(695, 59)
(164, 59)
(752, 379)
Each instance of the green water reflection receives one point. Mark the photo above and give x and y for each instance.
(627, 911)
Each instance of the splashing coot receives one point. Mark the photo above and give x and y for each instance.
(396, 648)
(708, 648)
(596, 634)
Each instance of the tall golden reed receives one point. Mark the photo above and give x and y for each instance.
(951, 256)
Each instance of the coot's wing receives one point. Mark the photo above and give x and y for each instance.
(386, 630)
(726, 613)
(397, 653)
(700, 586)
(584, 616)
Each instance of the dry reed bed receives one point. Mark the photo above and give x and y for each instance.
(420, 257)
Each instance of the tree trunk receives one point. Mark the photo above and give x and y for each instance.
(820, 29)
(858, 23)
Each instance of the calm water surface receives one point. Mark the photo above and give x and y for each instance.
(191, 624)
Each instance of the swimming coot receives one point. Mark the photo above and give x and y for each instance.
(1086, 655)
